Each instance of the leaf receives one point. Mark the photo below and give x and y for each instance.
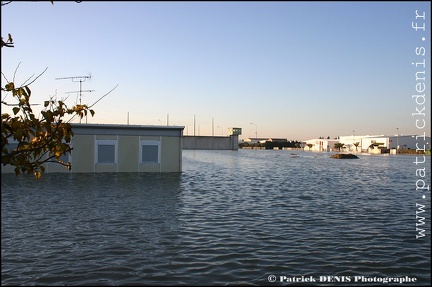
(16, 110)
(37, 174)
(28, 90)
(9, 87)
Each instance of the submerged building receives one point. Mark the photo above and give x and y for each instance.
(372, 143)
(320, 144)
(120, 148)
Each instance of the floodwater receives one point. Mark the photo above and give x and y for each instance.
(246, 217)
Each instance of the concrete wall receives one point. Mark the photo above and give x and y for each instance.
(398, 142)
(410, 142)
(128, 142)
(210, 143)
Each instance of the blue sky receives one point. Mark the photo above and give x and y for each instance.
(297, 70)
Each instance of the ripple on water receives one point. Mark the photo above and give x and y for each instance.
(231, 218)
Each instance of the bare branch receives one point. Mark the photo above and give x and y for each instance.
(5, 44)
(16, 105)
(103, 96)
(34, 78)
(4, 76)
(13, 79)
(94, 103)
(8, 43)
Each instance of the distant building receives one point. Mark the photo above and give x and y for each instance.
(234, 131)
(120, 148)
(263, 140)
(401, 142)
(320, 144)
(361, 141)
(367, 143)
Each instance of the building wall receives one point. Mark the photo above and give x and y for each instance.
(210, 143)
(366, 142)
(320, 144)
(263, 140)
(84, 157)
(128, 157)
(363, 141)
(409, 142)
(171, 158)
(83, 148)
(389, 142)
(127, 142)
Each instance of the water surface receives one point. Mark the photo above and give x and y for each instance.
(231, 217)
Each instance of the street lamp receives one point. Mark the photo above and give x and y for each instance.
(256, 132)
(397, 140)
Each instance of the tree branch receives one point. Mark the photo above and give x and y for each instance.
(34, 79)
(103, 96)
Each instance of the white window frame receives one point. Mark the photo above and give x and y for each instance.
(106, 142)
(149, 143)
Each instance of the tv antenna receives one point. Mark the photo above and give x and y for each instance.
(79, 79)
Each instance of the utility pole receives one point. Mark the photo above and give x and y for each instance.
(79, 79)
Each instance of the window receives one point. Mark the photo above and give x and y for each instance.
(106, 151)
(150, 152)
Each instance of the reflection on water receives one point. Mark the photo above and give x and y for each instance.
(231, 217)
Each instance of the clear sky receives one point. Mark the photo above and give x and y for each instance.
(297, 70)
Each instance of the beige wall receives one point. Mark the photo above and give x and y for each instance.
(83, 153)
(170, 157)
(128, 156)
(83, 156)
